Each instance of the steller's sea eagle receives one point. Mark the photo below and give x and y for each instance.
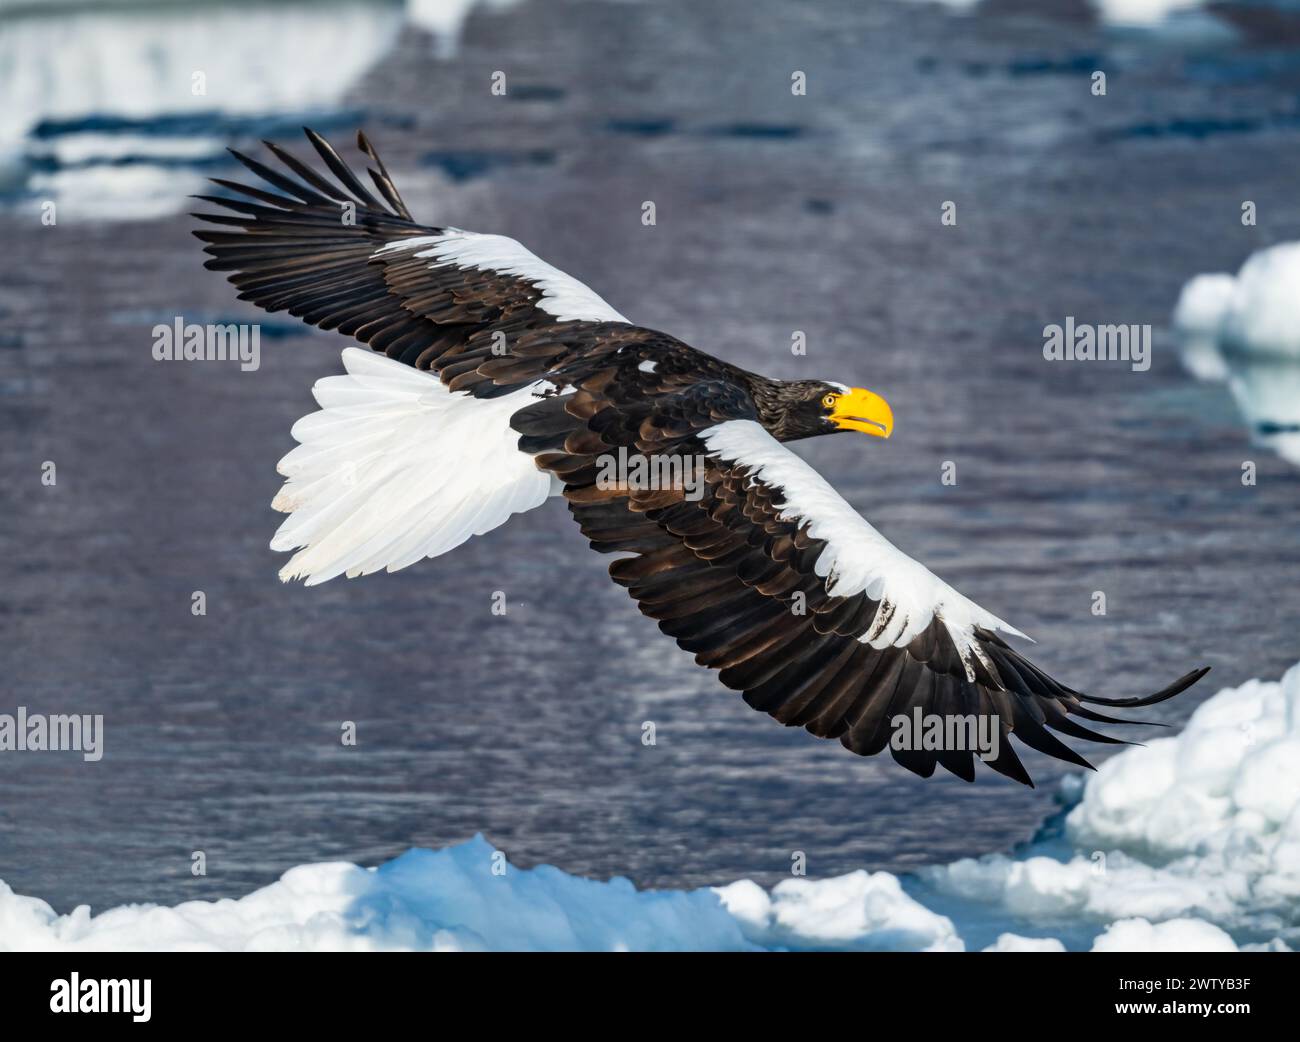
(498, 381)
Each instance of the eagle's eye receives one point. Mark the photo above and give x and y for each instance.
(829, 401)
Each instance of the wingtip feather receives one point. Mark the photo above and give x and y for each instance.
(1176, 688)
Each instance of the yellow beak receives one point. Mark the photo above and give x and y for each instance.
(863, 410)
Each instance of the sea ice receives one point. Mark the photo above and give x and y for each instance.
(1246, 329)
(1189, 843)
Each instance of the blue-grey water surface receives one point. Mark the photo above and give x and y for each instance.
(775, 213)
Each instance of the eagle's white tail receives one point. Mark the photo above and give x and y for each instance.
(394, 468)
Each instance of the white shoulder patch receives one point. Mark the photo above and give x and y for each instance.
(562, 295)
(857, 558)
(395, 468)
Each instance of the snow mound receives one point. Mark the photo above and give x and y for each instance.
(1246, 330)
(1198, 318)
(1229, 781)
(1176, 935)
(1010, 942)
(1204, 825)
(1143, 13)
(864, 911)
(1260, 319)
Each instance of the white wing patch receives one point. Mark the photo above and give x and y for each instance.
(857, 558)
(395, 468)
(562, 295)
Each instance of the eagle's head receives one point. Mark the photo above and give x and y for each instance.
(807, 408)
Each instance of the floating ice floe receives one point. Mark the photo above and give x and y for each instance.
(1145, 13)
(1126, 14)
(115, 111)
(1204, 826)
(1246, 330)
(1176, 935)
(1198, 317)
(444, 20)
(120, 111)
(1189, 843)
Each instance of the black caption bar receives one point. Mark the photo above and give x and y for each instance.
(145, 992)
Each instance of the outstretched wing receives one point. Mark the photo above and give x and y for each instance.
(341, 257)
(479, 311)
(751, 561)
(402, 463)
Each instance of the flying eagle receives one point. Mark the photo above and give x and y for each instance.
(495, 381)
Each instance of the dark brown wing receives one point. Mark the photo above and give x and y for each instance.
(731, 575)
(325, 248)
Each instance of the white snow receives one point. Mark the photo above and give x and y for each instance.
(1010, 942)
(445, 20)
(138, 192)
(1176, 935)
(147, 63)
(1260, 318)
(1246, 329)
(1203, 825)
(140, 60)
(865, 911)
(1144, 13)
(1198, 317)
(91, 146)
(1190, 843)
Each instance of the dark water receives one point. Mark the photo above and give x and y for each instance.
(775, 213)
